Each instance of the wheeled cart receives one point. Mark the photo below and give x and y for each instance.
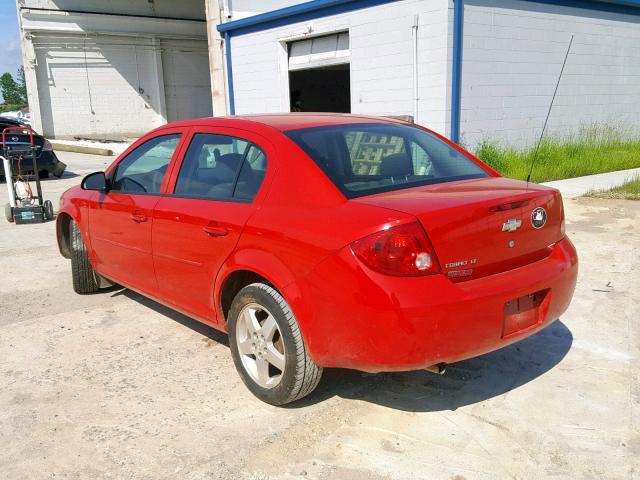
(23, 206)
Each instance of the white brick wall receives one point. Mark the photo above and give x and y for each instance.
(513, 52)
(101, 98)
(105, 76)
(381, 61)
(115, 87)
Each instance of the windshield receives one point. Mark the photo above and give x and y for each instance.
(362, 159)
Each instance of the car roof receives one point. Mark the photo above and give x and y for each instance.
(286, 121)
(10, 120)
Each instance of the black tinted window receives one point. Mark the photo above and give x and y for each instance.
(142, 171)
(370, 158)
(4, 125)
(219, 167)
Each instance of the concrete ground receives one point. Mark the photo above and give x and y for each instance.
(115, 386)
(577, 187)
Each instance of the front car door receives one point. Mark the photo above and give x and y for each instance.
(120, 220)
(214, 192)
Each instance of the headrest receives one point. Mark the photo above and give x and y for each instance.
(231, 160)
(396, 165)
(226, 166)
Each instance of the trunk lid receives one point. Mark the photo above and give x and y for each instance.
(483, 226)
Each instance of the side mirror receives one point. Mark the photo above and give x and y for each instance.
(95, 181)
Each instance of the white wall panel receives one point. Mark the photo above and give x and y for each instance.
(186, 79)
(102, 87)
(111, 86)
(319, 51)
(237, 9)
(102, 73)
(513, 52)
(381, 61)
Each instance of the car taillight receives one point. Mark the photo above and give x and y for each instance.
(47, 147)
(404, 250)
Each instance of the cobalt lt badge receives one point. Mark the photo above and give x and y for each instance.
(538, 217)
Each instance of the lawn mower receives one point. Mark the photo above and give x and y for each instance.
(23, 206)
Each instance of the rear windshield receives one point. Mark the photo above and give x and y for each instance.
(362, 159)
(4, 125)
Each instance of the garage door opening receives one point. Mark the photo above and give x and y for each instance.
(320, 89)
(319, 74)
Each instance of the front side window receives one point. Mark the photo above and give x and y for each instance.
(363, 159)
(220, 167)
(142, 171)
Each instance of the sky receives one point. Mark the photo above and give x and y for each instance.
(10, 55)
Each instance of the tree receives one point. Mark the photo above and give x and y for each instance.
(22, 86)
(14, 93)
(9, 89)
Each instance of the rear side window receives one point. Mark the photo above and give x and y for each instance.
(363, 159)
(220, 167)
(143, 170)
(251, 175)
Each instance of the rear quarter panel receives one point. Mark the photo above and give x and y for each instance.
(304, 219)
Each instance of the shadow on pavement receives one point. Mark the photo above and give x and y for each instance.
(31, 178)
(182, 319)
(464, 383)
(66, 174)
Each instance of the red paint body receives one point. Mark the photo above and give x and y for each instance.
(297, 234)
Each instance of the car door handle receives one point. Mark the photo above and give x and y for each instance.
(215, 230)
(138, 217)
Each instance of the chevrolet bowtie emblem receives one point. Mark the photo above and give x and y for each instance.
(511, 225)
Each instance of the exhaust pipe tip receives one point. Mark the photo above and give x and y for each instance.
(438, 368)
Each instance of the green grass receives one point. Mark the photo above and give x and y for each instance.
(590, 152)
(627, 191)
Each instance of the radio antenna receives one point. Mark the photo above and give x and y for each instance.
(544, 127)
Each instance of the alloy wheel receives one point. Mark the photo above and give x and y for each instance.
(260, 345)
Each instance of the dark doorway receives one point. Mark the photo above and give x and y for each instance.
(323, 89)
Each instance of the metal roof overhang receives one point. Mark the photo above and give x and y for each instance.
(322, 8)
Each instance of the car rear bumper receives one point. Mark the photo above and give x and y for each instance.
(355, 318)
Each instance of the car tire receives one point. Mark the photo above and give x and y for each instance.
(8, 213)
(262, 328)
(58, 169)
(84, 278)
(48, 209)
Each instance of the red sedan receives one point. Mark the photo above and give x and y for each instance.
(322, 240)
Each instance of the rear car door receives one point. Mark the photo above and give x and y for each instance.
(120, 220)
(198, 223)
